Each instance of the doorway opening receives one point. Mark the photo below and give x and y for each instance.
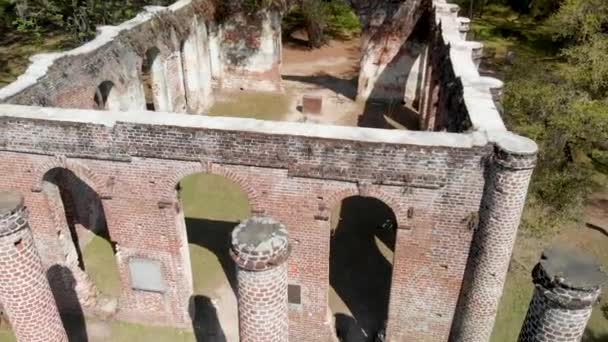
(361, 265)
(212, 206)
(80, 220)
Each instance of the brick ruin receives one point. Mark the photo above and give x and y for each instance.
(87, 149)
(568, 284)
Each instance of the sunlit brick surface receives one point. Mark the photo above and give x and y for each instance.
(24, 290)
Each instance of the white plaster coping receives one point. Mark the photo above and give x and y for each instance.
(491, 82)
(512, 143)
(477, 96)
(465, 24)
(105, 35)
(375, 135)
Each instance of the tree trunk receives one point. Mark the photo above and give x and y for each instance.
(315, 34)
(313, 19)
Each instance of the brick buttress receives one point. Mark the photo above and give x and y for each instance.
(567, 285)
(24, 289)
(507, 176)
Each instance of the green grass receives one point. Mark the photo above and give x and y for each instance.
(7, 335)
(100, 265)
(213, 197)
(213, 206)
(254, 105)
(128, 332)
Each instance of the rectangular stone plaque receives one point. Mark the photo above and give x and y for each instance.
(146, 275)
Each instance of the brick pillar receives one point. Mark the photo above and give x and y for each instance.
(24, 288)
(260, 250)
(567, 285)
(507, 178)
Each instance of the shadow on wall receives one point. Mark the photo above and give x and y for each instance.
(390, 86)
(63, 286)
(82, 207)
(205, 322)
(360, 271)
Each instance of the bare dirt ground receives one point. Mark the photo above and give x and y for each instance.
(330, 72)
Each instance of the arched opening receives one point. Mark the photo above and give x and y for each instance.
(80, 222)
(361, 259)
(212, 206)
(106, 97)
(153, 79)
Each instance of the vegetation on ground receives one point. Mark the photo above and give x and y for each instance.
(321, 20)
(550, 55)
(556, 93)
(100, 265)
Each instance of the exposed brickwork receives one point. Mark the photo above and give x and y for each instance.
(561, 305)
(295, 179)
(260, 250)
(508, 176)
(312, 104)
(24, 290)
(134, 160)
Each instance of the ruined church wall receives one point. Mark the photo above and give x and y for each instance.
(195, 53)
(251, 51)
(456, 97)
(70, 79)
(432, 181)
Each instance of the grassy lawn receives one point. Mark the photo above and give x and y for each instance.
(254, 105)
(6, 335)
(213, 206)
(100, 265)
(128, 332)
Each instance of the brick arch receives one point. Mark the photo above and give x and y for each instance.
(252, 193)
(81, 171)
(366, 190)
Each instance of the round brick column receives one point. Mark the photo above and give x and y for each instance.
(24, 288)
(260, 249)
(507, 179)
(567, 285)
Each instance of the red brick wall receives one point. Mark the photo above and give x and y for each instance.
(294, 179)
(24, 290)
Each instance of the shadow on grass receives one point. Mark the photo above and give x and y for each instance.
(214, 236)
(359, 272)
(63, 287)
(591, 336)
(205, 322)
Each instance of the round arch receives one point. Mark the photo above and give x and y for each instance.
(252, 194)
(365, 190)
(81, 171)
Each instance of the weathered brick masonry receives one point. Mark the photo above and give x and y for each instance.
(568, 284)
(456, 196)
(24, 290)
(135, 167)
(260, 249)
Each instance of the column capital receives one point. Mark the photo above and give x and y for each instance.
(259, 244)
(513, 151)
